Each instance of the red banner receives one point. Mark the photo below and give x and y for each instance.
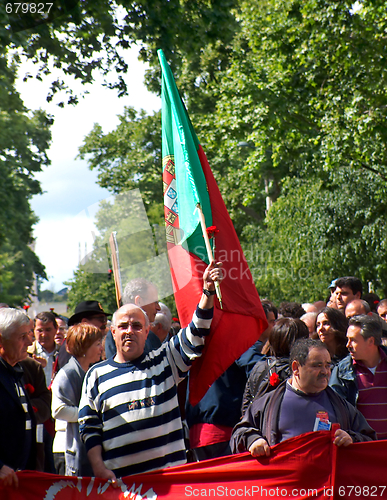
(308, 466)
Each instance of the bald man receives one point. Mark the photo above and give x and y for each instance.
(129, 414)
(357, 307)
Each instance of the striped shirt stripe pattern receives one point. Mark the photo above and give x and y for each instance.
(372, 401)
(131, 409)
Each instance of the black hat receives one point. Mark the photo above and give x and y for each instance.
(85, 309)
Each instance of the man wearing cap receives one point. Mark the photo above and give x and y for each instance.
(90, 312)
(332, 299)
(129, 416)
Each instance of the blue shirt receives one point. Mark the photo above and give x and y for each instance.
(299, 410)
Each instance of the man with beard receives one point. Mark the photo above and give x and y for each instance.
(275, 416)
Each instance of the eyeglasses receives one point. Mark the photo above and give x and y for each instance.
(135, 327)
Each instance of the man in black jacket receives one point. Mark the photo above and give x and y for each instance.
(301, 404)
(17, 420)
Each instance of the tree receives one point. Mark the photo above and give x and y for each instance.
(80, 38)
(306, 88)
(302, 84)
(306, 92)
(91, 286)
(24, 140)
(129, 157)
(336, 228)
(83, 37)
(142, 252)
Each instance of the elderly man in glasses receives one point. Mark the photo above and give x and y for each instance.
(303, 403)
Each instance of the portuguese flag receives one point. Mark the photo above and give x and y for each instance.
(188, 181)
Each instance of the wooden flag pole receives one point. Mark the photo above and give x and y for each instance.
(116, 267)
(209, 250)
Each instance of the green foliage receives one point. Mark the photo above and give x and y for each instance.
(303, 85)
(91, 286)
(142, 251)
(129, 157)
(24, 140)
(49, 296)
(336, 228)
(81, 38)
(284, 259)
(306, 92)
(306, 88)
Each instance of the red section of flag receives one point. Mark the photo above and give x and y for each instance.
(305, 467)
(241, 321)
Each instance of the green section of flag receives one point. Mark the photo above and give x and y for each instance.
(179, 139)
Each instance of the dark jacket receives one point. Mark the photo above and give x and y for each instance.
(343, 379)
(40, 396)
(13, 422)
(258, 382)
(221, 405)
(261, 420)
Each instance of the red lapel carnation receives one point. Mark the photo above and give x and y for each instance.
(274, 379)
(29, 388)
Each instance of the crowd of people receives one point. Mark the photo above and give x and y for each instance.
(106, 395)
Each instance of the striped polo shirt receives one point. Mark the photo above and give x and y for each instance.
(372, 401)
(131, 409)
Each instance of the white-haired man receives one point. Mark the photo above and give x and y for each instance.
(17, 420)
(161, 325)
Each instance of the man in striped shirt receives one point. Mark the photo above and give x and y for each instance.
(361, 377)
(129, 414)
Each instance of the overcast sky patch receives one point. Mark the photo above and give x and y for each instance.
(68, 184)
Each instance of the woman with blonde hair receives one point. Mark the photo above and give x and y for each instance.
(84, 343)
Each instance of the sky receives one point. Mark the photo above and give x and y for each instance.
(71, 194)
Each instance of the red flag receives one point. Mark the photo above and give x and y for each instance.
(298, 468)
(188, 180)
